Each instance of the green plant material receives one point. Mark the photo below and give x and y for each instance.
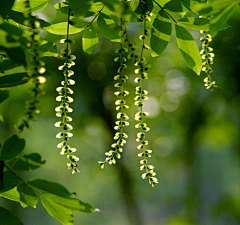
(18, 17)
(16, 79)
(160, 33)
(219, 20)
(50, 187)
(176, 6)
(189, 49)
(162, 2)
(27, 195)
(111, 34)
(62, 7)
(63, 214)
(7, 64)
(5, 7)
(80, 7)
(195, 23)
(61, 29)
(12, 147)
(35, 5)
(13, 195)
(28, 162)
(74, 204)
(16, 54)
(111, 4)
(79, 23)
(13, 80)
(213, 8)
(89, 39)
(4, 94)
(47, 49)
(145, 7)
(10, 181)
(8, 218)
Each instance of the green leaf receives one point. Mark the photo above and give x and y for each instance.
(89, 39)
(9, 181)
(35, 5)
(28, 162)
(212, 8)
(18, 17)
(5, 7)
(8, 218)
(12, 147)
(174, 6)
(160, 33)
(13, 80)
(195, 23)
(145, 7)
(219, 20)
(111, 34)
(57, 211)
(3, 95)
(13, 195)
(47, 48)
(62, 7)
(80, 7)
(189, 49)
(16, 54)
(79, 23)
(7, 64)
(72, 203)
(61, 29)
(50, 187)
(27, 195)
(162, 2)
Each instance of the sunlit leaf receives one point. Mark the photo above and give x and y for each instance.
(12, 147)
(62, 7)
(61, 29)
(195, 23)
(219, 20)
(89, 39)
(73, 204)
(189, 49)
(111, 34)
(63, 214)
(213, 8)
(160, 33)
(34, 5)
(28, 162)
(8, 218)
(27, 195)
(13, 195)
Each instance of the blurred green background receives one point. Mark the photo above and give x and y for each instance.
(194, 136)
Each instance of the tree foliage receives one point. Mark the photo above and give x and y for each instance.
(24, 49)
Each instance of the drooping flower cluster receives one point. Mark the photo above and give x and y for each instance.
(63, 109)
(36, 69)
(121, 105)
(207, 56)
(141, 95)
